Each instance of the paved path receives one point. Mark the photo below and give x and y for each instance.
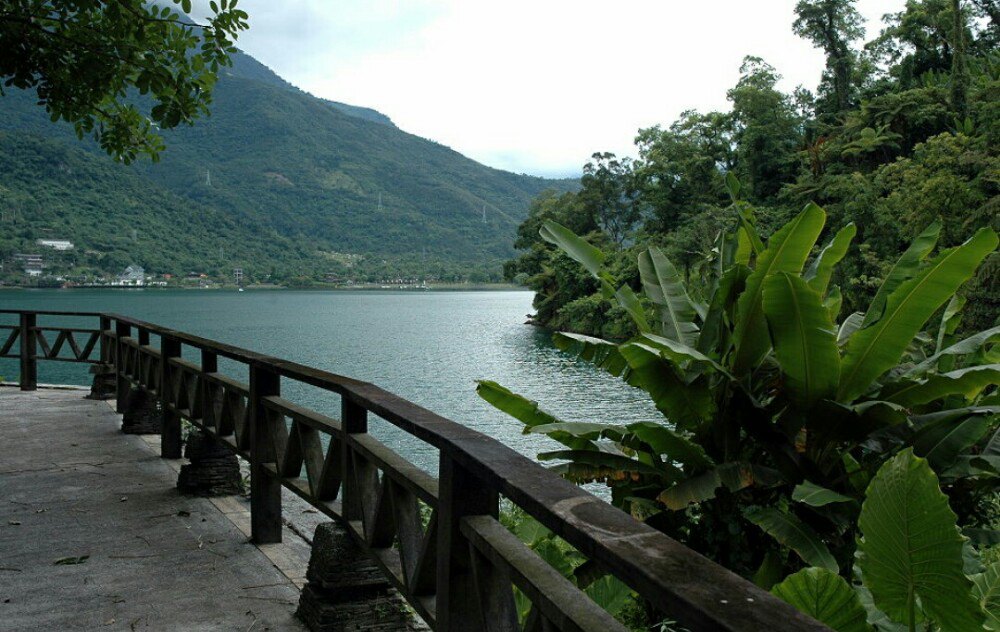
(73, 486)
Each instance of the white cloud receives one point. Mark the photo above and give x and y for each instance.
(533, 86)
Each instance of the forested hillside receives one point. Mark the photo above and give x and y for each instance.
(903, 129)
(275, 180)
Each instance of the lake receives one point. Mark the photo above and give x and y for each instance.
(429, 347)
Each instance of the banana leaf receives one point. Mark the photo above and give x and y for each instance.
(905, 268)
(826, 597)
(786, 251)
(820, 271)
(527, 412)
(816, 496)
(972, 344)
(588, 465)
(670, 443)
(910, 554)
(685, 403)
(805, 342)
(578, 249)
(942, 440)
(631, 304)
(850, 325)
(950, 321)
(601, 353)
(715, 336)
(664, 286)
(967, 382)
(873, 350)
(788, 530)
(702, 487)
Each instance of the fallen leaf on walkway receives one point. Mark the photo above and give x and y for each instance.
(183, 514)
(65, 561)
(14, 522)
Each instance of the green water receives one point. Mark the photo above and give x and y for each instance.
(428, 347)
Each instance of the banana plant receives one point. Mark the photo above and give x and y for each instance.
(776, 413)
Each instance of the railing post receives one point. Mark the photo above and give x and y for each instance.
(122, 331)
(353, 420)
(105, 342)
(460, 494)
(170, 425)
(265, 490)
(209, 364)
(29, 364)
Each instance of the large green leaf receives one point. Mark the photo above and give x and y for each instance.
(715, 336)
(602, 353)
(826, 597)
(593, 464)
(805, 340)
(664, 285)
(821, 269)
(575, 247)
(873, 350)
(950, 321)
(987, 591)
(793, 533)
(911, 550)
(967, 382)
(670, 443)
(817, 496)
(581, 251)
(702, 487)
(904, 269)
(686, 404)
(972, 344)
(631, 304)
(527, 412)
(943, 439)
(786, 251)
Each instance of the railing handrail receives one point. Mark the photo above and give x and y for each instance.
(698, 592)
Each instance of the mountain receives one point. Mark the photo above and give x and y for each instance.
(280, 181)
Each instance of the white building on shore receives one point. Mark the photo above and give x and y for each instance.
(56, 244)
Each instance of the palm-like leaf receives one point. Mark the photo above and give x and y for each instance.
(904, 269)
(967, 382)
(805, 341)
(967, 346)
(873, 350)
(826, 597)
(820, 271)
(795, 534)
(664, 285)
(528, 413)
(987, 590)
(786, 251)
(911, 552)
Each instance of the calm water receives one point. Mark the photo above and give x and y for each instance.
(428, 347)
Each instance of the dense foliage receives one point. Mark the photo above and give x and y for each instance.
(901, 131)
(82, 57)
(295, 186)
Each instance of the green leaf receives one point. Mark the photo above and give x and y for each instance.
(702, 487)
(942, 440)
(600, 464)
(601, 353)
(805, 340)
(873, 350)
(950, 321)
(816, 496)
(850, 325)
(904, 269)
(527, 412)
(715, 335)
(670, 443)
(987, 590)
(793, 533)
(786, 251)
(733, 186)
(911, 552)
(820, 271)
(684, 403)
(826, 597)
(664, 285)
(575, 247)
(630, 303)
(972, 344)
(967, 382)
(679, 352)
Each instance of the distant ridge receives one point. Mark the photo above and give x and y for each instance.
(300, 183)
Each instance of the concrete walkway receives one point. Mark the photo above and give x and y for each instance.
(94, 535)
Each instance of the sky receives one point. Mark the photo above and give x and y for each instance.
(531, 86)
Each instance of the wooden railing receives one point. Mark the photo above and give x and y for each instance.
(457, 569)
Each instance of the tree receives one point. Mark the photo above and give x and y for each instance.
(832, 25)
(610, 193)
(85, 59)
(959, 70)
